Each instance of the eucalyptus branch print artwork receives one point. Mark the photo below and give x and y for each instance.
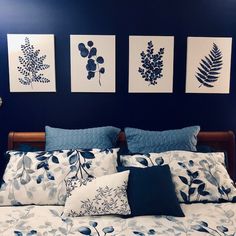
(31, 65)
(152, 64)
(210, 67)
(94, 61)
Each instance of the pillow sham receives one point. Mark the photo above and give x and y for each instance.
(198, 177)
(151, 191)
(34, 178)
(39, 177)
(105, 195)
(100, 137)
(143, 141)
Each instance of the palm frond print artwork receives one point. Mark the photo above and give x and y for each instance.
(31, 65)
(210, 68)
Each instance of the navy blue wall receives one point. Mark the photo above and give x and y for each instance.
(182, 18)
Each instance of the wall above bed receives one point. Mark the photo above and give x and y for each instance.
(32, 111)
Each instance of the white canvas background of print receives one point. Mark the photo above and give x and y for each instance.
(137, 44)
(42, 42)
(198, 49)
(105, 45)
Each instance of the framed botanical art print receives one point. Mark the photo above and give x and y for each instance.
(93, 63)
(208, 65)
(151, 64)
(31, 63)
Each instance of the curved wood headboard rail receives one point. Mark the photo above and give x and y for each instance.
(220, 141)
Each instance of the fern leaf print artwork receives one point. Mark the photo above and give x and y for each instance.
(94, 61)
(31, 65)
(210, 67)
(152, 64)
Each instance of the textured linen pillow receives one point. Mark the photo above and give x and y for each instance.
(151, 191)
(198, 177)
(105, 195)
(143, 141)
(39, 177)
(100, 137)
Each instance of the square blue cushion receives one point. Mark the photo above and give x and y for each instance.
(143, 141)
(151, 191)
(62, 139)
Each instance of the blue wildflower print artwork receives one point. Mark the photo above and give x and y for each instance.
(31, 63)
(92, 63)
(151, 64)
(208, 65)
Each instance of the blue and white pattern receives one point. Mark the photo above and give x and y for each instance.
(152, 64)
(198, 177)
(201, 220)
(39, 177)
(102, 196)
(31, 65)
(92, 63)
(31, 62)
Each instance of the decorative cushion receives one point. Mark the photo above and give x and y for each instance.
(39, 177)
(143, 141)
(102, 196)
(101, 138)
(198, 177)
(34, 178)
(151, 191)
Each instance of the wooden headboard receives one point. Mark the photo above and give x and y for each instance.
(220, 141)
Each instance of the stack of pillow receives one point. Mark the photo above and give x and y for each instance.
(79, 169)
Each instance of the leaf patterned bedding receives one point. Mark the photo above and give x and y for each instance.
(200, 219)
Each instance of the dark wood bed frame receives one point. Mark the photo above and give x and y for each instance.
(220, 141)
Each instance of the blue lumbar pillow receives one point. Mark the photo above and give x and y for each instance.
(143, 141)
(62, 139)
(151, 191)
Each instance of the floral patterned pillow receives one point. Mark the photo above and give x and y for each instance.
(39, 177)
(102, 196)
(198, 177)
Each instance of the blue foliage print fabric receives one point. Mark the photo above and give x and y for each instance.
(198, 177)
(200, 220)
(102, 196)
(39, 177)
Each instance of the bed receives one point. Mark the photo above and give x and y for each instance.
(200, 219)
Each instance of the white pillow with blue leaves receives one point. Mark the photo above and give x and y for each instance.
(39, 177)
(198, 177)
(105, 195)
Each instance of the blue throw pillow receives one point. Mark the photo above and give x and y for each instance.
(143, 141)
(151, 191)
(62, 139)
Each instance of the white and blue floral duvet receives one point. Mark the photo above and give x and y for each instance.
(200, 219)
